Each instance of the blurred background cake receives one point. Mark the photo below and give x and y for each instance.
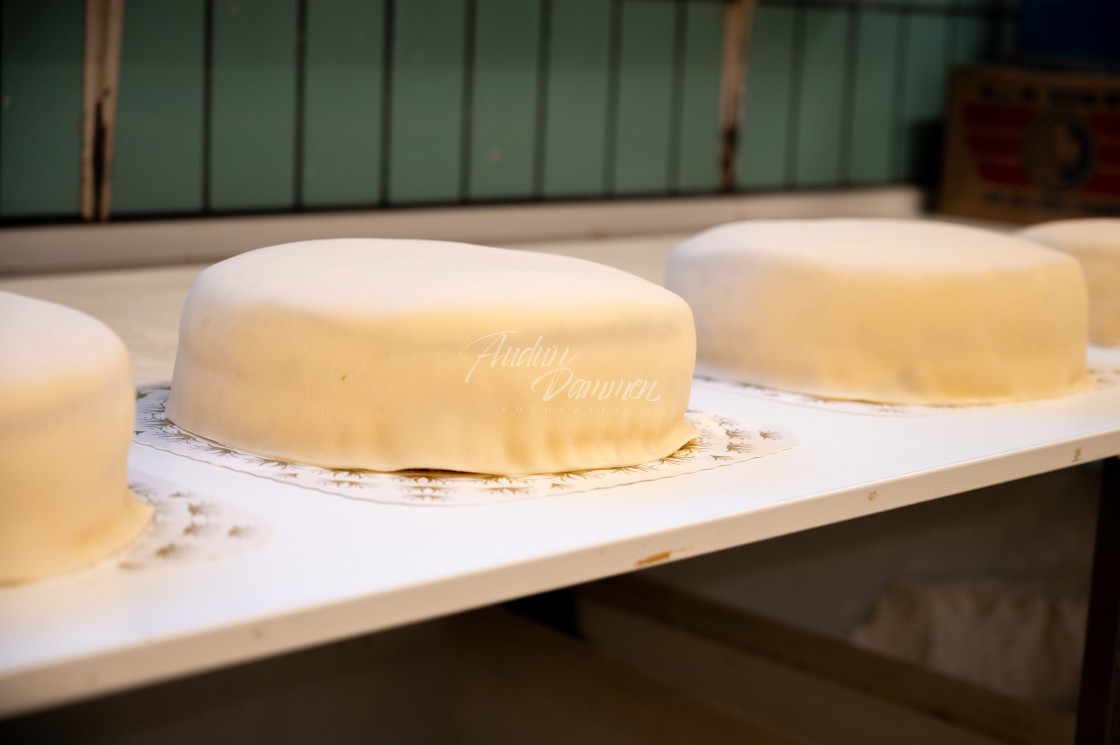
(885, 310)
(1095, 242)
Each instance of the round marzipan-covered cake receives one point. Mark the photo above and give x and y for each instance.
(894, 311)
(1095, 242)
(405, 354)
(67, 411)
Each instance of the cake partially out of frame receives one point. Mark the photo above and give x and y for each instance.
(1095, 242)
(406, 354)
(67, 411)
(896, 311)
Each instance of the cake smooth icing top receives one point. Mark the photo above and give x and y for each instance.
(1095, 242)
(407, 354)
(895, 311)
(67, 411)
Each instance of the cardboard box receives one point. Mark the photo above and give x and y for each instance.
(1027, 145)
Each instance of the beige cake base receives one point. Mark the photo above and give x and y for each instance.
(890, 311)
(389, 355)
(66, 420)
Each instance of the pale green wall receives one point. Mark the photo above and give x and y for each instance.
(394, 102)
(40, 107)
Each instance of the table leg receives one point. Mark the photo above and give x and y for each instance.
(1098, 715)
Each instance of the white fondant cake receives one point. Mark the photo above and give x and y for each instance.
(1095, 242)
(399, 354)
(890, 311)
(67, 410)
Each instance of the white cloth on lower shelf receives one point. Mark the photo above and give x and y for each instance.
(1023, 641)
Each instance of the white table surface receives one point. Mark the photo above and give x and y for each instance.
(337, 567)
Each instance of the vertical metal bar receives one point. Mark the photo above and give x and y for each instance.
(1098, 709)
(467, 113)
(613, 64)
(738, 17)
(676, 97)
(94, 53)
(107, 109)
(207, 101)
(101, 69)
(540, 141)
(300, 102)
(386, 98)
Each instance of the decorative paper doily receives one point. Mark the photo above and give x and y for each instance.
(188, 526)
(722, 441)
(1105, 377)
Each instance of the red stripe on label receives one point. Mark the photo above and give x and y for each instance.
(998, 173)
(994, 115)
(1103, 183)
(994, 145)
(1109, 155)
(1106, 125)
